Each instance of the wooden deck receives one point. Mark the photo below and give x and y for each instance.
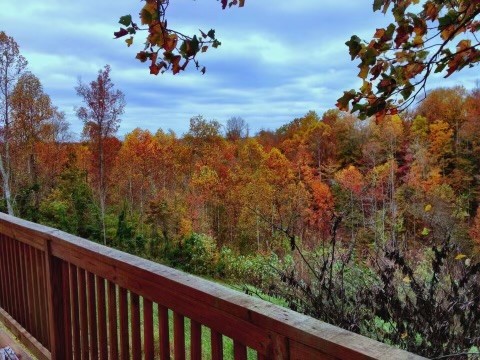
(69, 298)
(8, 339)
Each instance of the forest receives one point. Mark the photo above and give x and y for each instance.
(370, 225)
(367, 222)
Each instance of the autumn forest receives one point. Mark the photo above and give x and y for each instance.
(371, 225)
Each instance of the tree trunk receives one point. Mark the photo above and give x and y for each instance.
(102, 189)
(6, 187)
(5, 158)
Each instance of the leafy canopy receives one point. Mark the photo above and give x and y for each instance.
(167, 49)
(426, 36)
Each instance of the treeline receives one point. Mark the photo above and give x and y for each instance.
(410, 180)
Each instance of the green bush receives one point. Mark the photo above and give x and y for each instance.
(195, 254)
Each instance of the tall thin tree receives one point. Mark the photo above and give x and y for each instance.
(12, 65)
(100, 114)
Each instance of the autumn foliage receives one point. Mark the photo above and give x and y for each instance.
(424, 37)
(167, 49)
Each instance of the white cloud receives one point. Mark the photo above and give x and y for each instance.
(278, 59)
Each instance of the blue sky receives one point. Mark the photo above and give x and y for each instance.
(278, 59)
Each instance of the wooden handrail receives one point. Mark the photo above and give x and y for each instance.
(97, 298)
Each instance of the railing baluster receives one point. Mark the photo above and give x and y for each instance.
(27, 285)
(25, 309)
(7, 296)
(82, 301)
(102, 318)
(32, 293)
(124, 348)
(179, 336)
(56, 285)
(195, 340)
(112, 320)
(3, 279)
(164, 334)
(11, 281)
(75, 312)
(135, 330)
(40, 261)
(92, 316)
(217, 345)
(67, 310)
(239, 351)
(43, 282)
(148, 329)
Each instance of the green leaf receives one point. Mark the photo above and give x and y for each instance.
(369, 57)
(363, 72)
(146, 17)
(354, 46)
(126, 20)
(342, 103)
(377, 4)
(211, 34)
(425, 231)
(194, 45)
(358, 107)
(449, 19)
(406, 92)
(440, 67)
(389, 32)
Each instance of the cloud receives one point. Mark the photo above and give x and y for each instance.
(278, 59)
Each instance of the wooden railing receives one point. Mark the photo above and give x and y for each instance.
(69, 298)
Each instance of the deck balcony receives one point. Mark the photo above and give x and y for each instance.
(65, 297)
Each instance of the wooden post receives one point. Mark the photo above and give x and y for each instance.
(56, 302)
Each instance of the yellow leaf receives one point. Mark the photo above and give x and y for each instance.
(428, 207)
(404, 335)
(460, 256)
(418, 40)
(129, 41)
(407, 279)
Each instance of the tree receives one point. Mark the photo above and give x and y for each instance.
(236, 128)
(172, 44)
(12, 65)
(31, 112)
(426, 36)
(101, 117)
(138, 160)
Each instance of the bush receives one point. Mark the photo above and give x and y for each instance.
(195, 254)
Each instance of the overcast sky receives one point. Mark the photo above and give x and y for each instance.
(278, 59)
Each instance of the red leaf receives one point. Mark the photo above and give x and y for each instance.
(154, 69)
(120, 33)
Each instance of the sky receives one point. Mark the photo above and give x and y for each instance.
(278, 59)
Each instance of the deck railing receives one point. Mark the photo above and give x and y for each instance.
(69, 298)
